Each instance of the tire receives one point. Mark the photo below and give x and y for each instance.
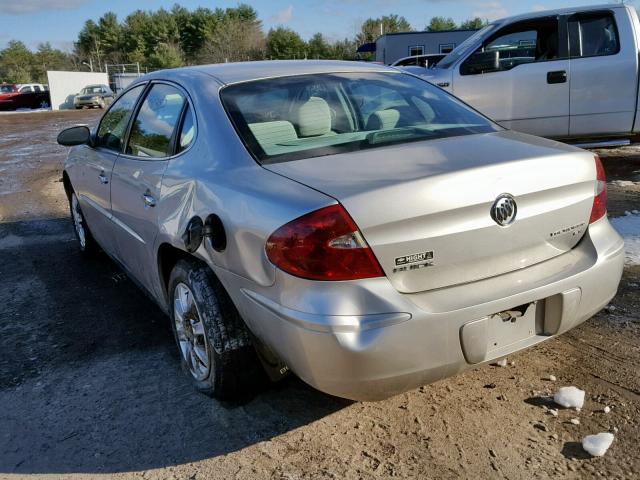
(213, 342)
(86, 243)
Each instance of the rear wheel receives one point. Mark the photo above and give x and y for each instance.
(86, 242)
(213, 342)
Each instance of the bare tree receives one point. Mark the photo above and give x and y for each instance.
(234, 40)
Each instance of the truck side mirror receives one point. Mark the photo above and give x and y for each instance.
(480, 62)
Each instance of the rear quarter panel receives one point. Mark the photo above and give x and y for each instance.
(218, 176)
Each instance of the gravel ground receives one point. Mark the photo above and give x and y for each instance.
(90, 384)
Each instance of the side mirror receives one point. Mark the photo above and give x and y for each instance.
(78, 135)
(482, 62)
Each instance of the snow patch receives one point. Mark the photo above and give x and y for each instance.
(501, 363)
(597, 445)
(624, 183)
(629, 228)
(569, 397)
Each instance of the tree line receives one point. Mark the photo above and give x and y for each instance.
(177, 37)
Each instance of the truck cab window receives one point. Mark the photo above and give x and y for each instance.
(593, 34)
(523, 42)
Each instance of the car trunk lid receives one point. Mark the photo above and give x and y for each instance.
(425, 208)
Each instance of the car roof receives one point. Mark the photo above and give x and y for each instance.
(560, 11)
(227, 73)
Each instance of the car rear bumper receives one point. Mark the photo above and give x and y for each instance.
(431, 335)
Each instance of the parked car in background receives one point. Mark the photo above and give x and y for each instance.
(94, 96)
(345, 220)
(32, 88)
(8, 88)
(570, 74)
(424, 61)
(29, 95)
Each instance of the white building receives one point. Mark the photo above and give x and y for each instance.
(393, 46)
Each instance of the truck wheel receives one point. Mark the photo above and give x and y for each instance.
(213, 341)
(88, 246)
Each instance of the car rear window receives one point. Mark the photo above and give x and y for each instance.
(93, 89)
(291, 118)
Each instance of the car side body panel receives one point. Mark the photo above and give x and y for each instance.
(217, 176)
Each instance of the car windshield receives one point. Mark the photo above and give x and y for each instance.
(305, 116)
(461, 49)
(6, 88)
(92, 89)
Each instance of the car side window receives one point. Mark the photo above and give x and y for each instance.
(187, 130)
(26, 90)
(114, 123)
(523, 42)
(37, 88)
(593, 34)
(154, 125)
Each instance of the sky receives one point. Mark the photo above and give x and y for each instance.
(59, 21)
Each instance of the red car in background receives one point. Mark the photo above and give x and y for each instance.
(28, 95)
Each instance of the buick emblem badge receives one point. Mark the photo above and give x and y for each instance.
(504, 209)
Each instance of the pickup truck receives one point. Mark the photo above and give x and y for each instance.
(27, 95)
(569, 74)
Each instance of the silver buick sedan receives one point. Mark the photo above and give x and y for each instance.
(348, 222)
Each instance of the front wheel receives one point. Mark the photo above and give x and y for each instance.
(213, 342)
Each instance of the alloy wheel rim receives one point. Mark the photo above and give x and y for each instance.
(77, 221)
(190, 332)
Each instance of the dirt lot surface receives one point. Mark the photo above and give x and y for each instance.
(90, 383)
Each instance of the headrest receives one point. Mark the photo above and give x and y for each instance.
(383, 119)
(271, 133)
(314, 118)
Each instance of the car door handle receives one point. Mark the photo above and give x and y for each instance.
(559, 76)
(149, 200)
(103, 179)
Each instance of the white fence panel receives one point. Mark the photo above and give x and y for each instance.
(64, 86)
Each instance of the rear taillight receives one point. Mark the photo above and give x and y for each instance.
(599, 208)
(323, 245)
